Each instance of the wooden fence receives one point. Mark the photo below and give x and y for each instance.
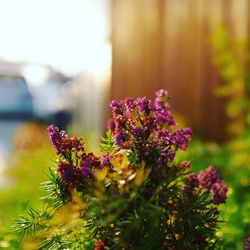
(166, 44)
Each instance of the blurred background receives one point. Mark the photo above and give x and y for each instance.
(55, 64)
(62, 61)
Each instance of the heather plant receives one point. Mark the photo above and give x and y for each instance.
(133, 195)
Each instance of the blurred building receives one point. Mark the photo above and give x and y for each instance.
(89, 95)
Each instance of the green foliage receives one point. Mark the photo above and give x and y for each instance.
(32, 222)
(128, 219)
(108, 143)
(231, 56)
(55, 190)
(55, 242)
(32, 155)
(232, 159)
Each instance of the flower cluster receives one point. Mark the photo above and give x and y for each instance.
(75, 165)
(135, 186)
(141, 125)
(62, 142)
(210, 180)
(57, 137)
(147, 127)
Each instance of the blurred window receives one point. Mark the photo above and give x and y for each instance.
(14, 94)
(13, 86)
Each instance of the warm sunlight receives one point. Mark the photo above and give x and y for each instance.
(70, 35)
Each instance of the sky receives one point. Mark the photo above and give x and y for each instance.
(71, 35)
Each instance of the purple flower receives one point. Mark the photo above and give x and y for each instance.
(208, 177)
(161, 97)
(106, 160)
(171, 155)
(143, 104)
(138, 132)
(56, 137)
(219, 191)
(142, 124)
(210, 180)
(116, 107)
(63, 143)
(188, 132)
(111, 125)
(163, 108)
(130, 104)
(89, 163)
(120, 137)
(149, 123)
(164, 117)
(191, 183)
(86, 171)
(67, 172)
(181, 137)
